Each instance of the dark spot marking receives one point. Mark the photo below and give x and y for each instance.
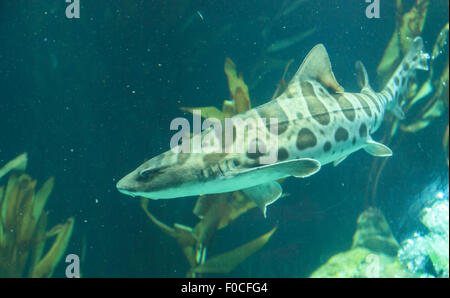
(322, 132)
(364, 104)
(236, 162)
(327, 146)
(299, 116)
(316, 108)
(390, 92)
(396, 81)
(346, 106)
(354, 141)
(341, 134)
(375, 102)
(306, 139)
(274, 110)
(363, 130)
(260, 149)
(282, 154)
(406, 66)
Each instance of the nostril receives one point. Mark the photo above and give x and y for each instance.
(122, 185)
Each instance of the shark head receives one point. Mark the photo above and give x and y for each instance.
(165, 176)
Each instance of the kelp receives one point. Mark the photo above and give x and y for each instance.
(23, 225)
(424, 101)
(408, 26)
(19, 163)
(228, 261)
(240, 98)
(216, 211)
(194, 241)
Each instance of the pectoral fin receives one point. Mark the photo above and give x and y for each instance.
(377, 149)
(264, 194)
(300, 168)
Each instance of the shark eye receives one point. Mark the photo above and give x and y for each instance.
(144, 173)
(148, 173)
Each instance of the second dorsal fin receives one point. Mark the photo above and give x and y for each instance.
(317, 67)
(362, 77)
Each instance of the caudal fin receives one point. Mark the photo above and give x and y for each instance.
(415, 59)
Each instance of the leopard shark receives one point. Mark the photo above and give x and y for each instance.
(317, 123)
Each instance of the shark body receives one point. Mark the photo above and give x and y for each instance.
(318, 123)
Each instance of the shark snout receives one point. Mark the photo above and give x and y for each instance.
(126, 185)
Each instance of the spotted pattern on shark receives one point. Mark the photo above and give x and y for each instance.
(318, 123)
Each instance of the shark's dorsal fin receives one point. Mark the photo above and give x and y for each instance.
(317, 67)
(362, 77)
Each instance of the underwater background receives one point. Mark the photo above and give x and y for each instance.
(91, 98)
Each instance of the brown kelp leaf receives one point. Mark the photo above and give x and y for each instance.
(433, 108)
(238, 89)
(11, 199)
(39, 239)
(211, 209)
(19, 163)
(220, 209)
(26, 191)
(4, 207)
(185, 238)
(165, 228)
(408, 26)
(47, 264)
(203, 204)
(182, 234)
(41, 197)
(25, 223)
(207, 112)
(226, 262)
(228, 108)
(239, 205)
(22, 235)
(438, 73)
(412, 24)
(242, 101)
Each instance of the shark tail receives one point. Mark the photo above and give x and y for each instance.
(397, 85)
